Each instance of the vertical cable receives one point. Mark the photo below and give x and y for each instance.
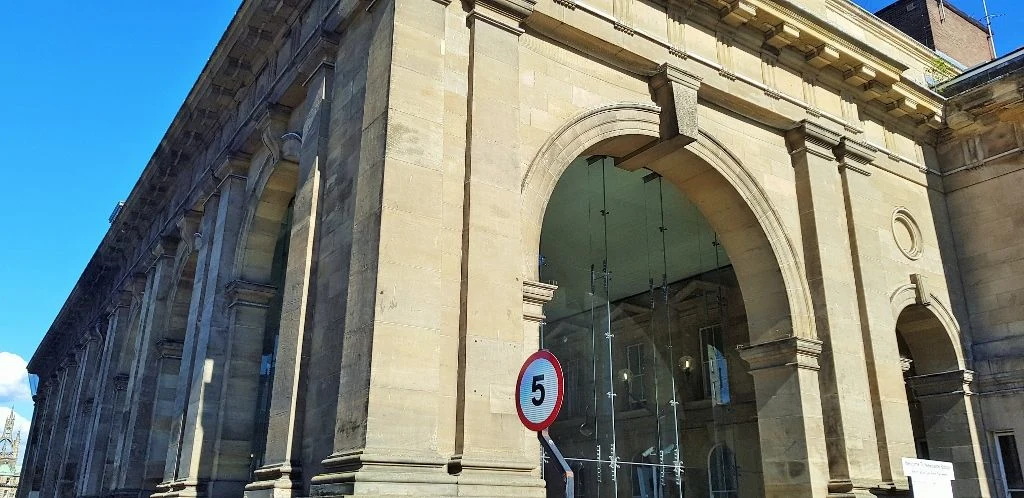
(653, 331)
(593, 318)
(678, 467)
(613, 451)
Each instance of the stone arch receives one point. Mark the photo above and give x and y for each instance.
(776, 296)
(931, 328)
(266, 207)
(179, 297)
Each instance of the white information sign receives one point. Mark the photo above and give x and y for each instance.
(929, 478)
(539, 391)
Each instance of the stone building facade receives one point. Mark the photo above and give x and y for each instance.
(732, 221)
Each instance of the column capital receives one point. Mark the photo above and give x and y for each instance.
(813, 138)
(136, 284)
(244, 293)
(951, 383)
(166, 246)
(169, 348)
(187, 227)
(69, 361)
(320, 55)
(504, 14)
(119, 299)
(120, 382)
(854, 155)
(535, 296)
(232, 164)
(273, 125)
(798, 352)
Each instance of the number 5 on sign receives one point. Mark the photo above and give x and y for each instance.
(538, 398)
(539, 391)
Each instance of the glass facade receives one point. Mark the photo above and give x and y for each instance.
(645, 322)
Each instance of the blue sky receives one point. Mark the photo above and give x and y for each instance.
(90, 89)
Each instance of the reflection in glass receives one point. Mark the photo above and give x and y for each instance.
(645, 322)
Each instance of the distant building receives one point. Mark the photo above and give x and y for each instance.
(9, 468)
(942, 27)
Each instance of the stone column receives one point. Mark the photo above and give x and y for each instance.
(88, 351)
(104, 410)
(494, 455)
(396, 404)
(852, 446)
(280, 474)
(888, 396)
(68, 374)
(950, 427)
(789, 418)
(133, 473)
(214, 454)
(190, 227)
(33, 450)
(109, 478)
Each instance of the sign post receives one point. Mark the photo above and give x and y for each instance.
(929, 478)
(539, 391)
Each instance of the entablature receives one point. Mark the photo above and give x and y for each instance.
(866, 73)
(269, 48)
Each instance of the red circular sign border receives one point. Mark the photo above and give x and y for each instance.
(544, 424)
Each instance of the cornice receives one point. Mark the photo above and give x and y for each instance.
(783, 25)
(211, 120)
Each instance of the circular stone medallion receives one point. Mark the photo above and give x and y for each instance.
(906, 233)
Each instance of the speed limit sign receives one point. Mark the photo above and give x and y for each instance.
(539, 390)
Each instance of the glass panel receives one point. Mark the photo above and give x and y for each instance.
(1011, 461)
(641, 325)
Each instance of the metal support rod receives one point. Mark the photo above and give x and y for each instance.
(548, 443)
(988, 25)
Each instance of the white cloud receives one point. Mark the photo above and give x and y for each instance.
(13, 379)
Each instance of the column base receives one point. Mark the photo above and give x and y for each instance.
(186, 488)
(497, 478)
(280, 480)
(361, 473)
(131, 493)
(892, 490)
(178, 488)
(861, 488)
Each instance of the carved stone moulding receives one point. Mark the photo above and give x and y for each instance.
(906, 233)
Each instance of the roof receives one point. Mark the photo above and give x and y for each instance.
(996, 69)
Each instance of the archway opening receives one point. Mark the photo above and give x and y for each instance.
(180, 309)
(929, 360)
(264, 261)
(646, 320)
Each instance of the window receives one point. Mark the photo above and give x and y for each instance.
(722, 473)
(573, 400)
(1009, 465)
(714, 367)
(635, 382)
